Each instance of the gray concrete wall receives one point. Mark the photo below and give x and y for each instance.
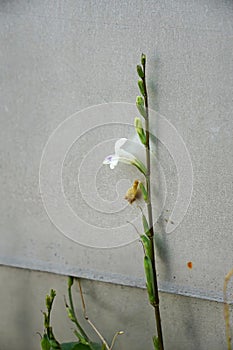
(60, 57)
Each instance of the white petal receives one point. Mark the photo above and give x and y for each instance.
(135, 147)
(108, 159)
(119, 143)
(111, 160)
(125, 155)
(114, 162)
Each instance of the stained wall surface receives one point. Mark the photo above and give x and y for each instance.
(68, 85)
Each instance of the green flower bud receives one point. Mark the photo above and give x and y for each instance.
(144, 191)
(48, 302)
(143, 59)
(52, 293)
(141, 87)
(140, 101)
(140, 71)
(140, 130)
(70, 314)
(140, 106)
(46, 320)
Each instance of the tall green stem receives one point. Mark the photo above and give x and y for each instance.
(149, 210)
(74, 315)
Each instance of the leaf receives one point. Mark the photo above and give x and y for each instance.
(44, 343)
(96, 346)
(74, 346)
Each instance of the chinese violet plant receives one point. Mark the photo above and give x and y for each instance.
(48, 341)
(147, 237)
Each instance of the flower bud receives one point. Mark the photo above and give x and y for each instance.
(140, 130)
(52, 293)
(70, 314)
(144, 192)
(46, 320)
(143, 59)
(139, 101)
(140, 71)
(140, 106)
(48, 302)
(141, 87)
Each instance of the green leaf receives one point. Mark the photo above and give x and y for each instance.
(68, 346)
(44, 343)
(54, 344)
(97, 346)
(74, 346)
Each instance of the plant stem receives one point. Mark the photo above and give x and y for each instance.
(150, 215)
(73, 311)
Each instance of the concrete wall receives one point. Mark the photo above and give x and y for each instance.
(60, 57)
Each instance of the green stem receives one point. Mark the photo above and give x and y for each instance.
(73, 311)
(150, 215)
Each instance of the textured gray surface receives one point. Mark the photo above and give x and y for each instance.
(59, 57)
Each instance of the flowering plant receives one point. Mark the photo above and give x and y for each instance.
(143, 163)
(147, 238)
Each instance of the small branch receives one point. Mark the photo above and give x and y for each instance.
(114, 338)
(87, 318)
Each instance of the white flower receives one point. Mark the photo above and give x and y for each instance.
(123, 156)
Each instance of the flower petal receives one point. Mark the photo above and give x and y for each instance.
(119, 143)
(121, 155)
(111, 160)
